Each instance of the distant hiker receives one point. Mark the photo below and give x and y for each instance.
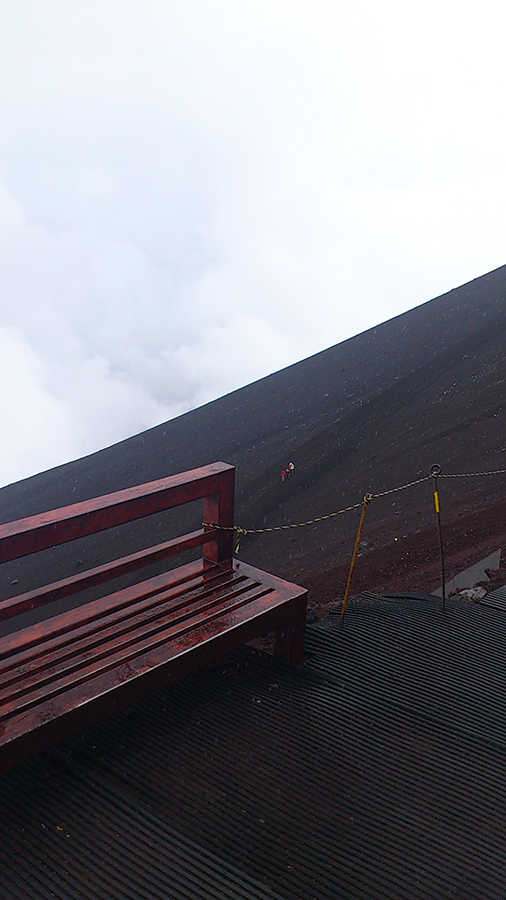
(290, 468)
(283, 475)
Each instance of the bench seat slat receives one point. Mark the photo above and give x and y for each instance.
(122, 633)
(96, 610)
(124, 605)
(129, 654)
(159, 665)
(61, 681)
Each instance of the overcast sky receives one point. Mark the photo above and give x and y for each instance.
(195, 194)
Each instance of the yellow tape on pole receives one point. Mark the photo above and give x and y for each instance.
(367, 500)
(436, 501)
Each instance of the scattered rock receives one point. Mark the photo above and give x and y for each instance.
(474, 594)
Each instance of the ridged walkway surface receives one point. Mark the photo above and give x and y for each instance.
(377, 771)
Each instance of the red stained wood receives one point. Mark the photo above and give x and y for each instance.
(57, 526)
(67, 586)
(219, 510)
(64, 673)
(71, 631)
(127, 639)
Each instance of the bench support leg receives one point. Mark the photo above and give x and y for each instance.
(289, 638)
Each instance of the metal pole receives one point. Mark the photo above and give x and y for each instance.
(435, 471)
(367, 500)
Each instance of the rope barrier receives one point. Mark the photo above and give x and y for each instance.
(435, 473)
(245, 531)
(401, 488)
(473, 474)
(281, 527)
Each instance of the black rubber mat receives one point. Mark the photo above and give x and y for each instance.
(66, 836)
(373, 772)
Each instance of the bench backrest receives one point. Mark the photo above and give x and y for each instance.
(213, 483)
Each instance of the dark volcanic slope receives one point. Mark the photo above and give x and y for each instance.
(368, 414)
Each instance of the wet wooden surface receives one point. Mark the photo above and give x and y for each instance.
(62, 674)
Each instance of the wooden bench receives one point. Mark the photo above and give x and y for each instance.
(76, 666)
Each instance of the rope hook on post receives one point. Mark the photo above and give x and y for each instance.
(436, 470)
(366, 501)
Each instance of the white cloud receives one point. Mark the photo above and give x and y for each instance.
(11, 212)
(36, 427)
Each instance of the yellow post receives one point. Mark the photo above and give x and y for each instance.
(436, 471)
(367, 500)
